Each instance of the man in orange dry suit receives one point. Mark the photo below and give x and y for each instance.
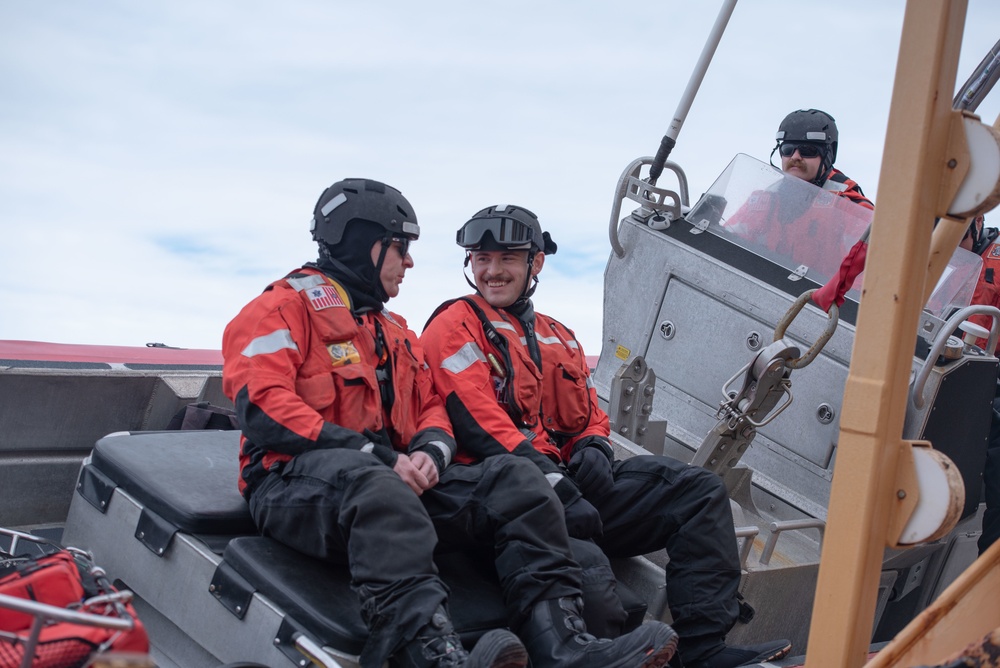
(346, 450)
(807, 143)
(982, 240)
(516, 381)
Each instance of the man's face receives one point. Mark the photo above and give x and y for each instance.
(397, 261)
(500, 276)
(798, 166)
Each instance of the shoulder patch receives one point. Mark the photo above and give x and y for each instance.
(324, 296)
(995, 250)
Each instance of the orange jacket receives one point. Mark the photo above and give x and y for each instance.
(816, 233)
(301, 369)
(988, 288)
(838, 182)
(498, 405)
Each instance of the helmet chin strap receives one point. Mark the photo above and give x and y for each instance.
(531, 282)
(377, 288)
(824, 168)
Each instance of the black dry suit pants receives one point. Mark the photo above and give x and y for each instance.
(659, 502)
(347, 507)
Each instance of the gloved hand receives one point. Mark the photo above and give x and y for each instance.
(591, 470)
(582, 520)
(381, 447)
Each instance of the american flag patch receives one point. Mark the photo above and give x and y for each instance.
(324, 296)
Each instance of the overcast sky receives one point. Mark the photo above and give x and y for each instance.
(159, 161)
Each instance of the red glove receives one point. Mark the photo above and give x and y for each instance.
(837, 287)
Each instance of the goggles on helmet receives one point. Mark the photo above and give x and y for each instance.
(805, 149)
(508, 232)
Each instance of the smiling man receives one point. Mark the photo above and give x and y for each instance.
(517, 382)
(807, 143)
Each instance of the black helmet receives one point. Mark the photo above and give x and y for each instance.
(811, 125)
(505, 227)
(982, 236)
(364, 200)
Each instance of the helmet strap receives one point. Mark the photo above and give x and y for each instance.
(825, 165)
(530, 281)
(377, 287)
(472, 284)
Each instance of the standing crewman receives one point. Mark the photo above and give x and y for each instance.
(982, 240)
(516, 381)
(346, 450)
(807, 143)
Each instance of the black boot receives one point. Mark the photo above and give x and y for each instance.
(556, 637)
(498, 649)
(438, 646)
(731, 656)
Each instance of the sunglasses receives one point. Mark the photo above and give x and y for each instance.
(404, 244)
(805, 150)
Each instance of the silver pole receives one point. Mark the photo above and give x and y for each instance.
(670, 139)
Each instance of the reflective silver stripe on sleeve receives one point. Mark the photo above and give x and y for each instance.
(465, 357)
(553, 478)
(270, 343)
(445, 450)
(306, 282)
(368, 447)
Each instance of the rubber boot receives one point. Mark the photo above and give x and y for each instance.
(731, 656)
(438, 646)
(556, 637)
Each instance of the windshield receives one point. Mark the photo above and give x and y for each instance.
(806, 229)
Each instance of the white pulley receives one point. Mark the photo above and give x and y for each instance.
(942, 497)
(980, 189)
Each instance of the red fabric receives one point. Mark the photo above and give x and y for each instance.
(55, 580)
(558, 399)
(851, 191)
(315, 363)
(988, 289)
(837, 287)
